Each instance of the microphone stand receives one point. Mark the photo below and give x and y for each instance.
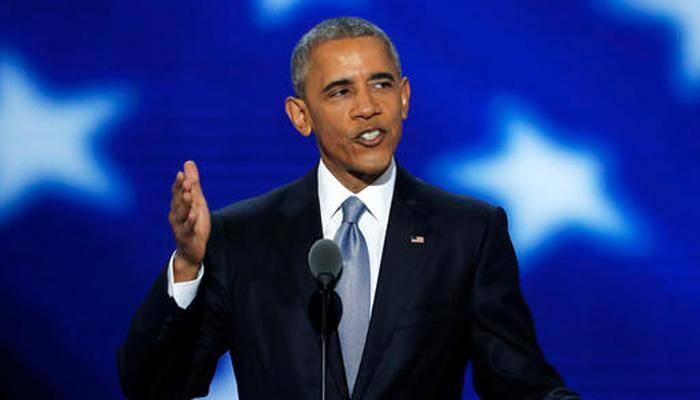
(325, 299)
(325, 289)
(326, 263)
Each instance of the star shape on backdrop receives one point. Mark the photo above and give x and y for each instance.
(274, 12)
(48, 143)
(224, 385)
(684, 17)
(546, 188)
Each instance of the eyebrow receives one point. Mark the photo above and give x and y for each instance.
(382, 75)
(336, 83)
(346, 81)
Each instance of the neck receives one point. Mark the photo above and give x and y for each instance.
(352, 180)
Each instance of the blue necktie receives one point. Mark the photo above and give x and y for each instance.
(353, 287)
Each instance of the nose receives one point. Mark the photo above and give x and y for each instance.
(366, 106)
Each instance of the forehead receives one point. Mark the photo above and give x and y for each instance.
(348, 58)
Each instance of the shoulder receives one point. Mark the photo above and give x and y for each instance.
(465, 223)
(255, 208)
(450, 207)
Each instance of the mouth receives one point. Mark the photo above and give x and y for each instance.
(370, 137)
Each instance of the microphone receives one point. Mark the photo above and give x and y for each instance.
(325, 263)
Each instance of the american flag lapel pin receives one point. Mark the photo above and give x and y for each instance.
(417, 239)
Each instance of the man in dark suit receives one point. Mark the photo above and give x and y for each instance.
(430, 279)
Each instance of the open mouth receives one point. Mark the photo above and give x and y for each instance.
(371, 137)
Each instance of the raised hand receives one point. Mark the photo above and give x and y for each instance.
(190, 220)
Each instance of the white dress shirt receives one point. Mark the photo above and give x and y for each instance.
(331, 194)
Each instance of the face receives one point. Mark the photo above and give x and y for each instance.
(355, 102)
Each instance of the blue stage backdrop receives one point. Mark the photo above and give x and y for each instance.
(581, 118)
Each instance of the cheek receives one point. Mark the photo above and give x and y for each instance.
(334, 142)
(335, 133)
(330, 120)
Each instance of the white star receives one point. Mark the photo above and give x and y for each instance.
(684, 15)
(546, 189)
(224, 385)
(275, 8)
(48, 143)
(271, 12)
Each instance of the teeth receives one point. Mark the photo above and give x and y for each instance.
(370, 135)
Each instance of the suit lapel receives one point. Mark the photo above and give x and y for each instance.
(402, 258)
(299, 227)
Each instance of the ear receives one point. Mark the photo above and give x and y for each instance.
(298, 113)
(405, 89)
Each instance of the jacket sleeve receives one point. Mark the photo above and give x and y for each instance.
(172, 353)
(507, 361)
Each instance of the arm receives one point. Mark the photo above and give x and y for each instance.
(160, 342)
(172, 352)
(508, 362)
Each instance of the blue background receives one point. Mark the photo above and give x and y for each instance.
(607, 89)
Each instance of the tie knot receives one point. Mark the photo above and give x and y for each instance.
(353, 208)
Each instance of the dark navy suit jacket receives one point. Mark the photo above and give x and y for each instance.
(440, 304)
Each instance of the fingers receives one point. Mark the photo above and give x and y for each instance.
(191, 171)
(192, 177)
(182, 221)
(177, 184)
(181, 200)
(186, 200)
(191, 219)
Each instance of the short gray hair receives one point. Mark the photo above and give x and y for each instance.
(333, 29)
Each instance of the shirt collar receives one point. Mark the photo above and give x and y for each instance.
(376, 197)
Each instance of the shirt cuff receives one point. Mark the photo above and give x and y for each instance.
(183, 292)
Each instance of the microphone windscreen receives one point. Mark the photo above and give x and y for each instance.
(325, 258)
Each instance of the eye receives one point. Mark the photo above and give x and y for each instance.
(383, 84)
(339, 93)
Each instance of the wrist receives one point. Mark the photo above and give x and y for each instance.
(183, 269)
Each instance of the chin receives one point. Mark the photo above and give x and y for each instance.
(373, 166)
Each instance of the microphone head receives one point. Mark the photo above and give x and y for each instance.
(325, 258)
